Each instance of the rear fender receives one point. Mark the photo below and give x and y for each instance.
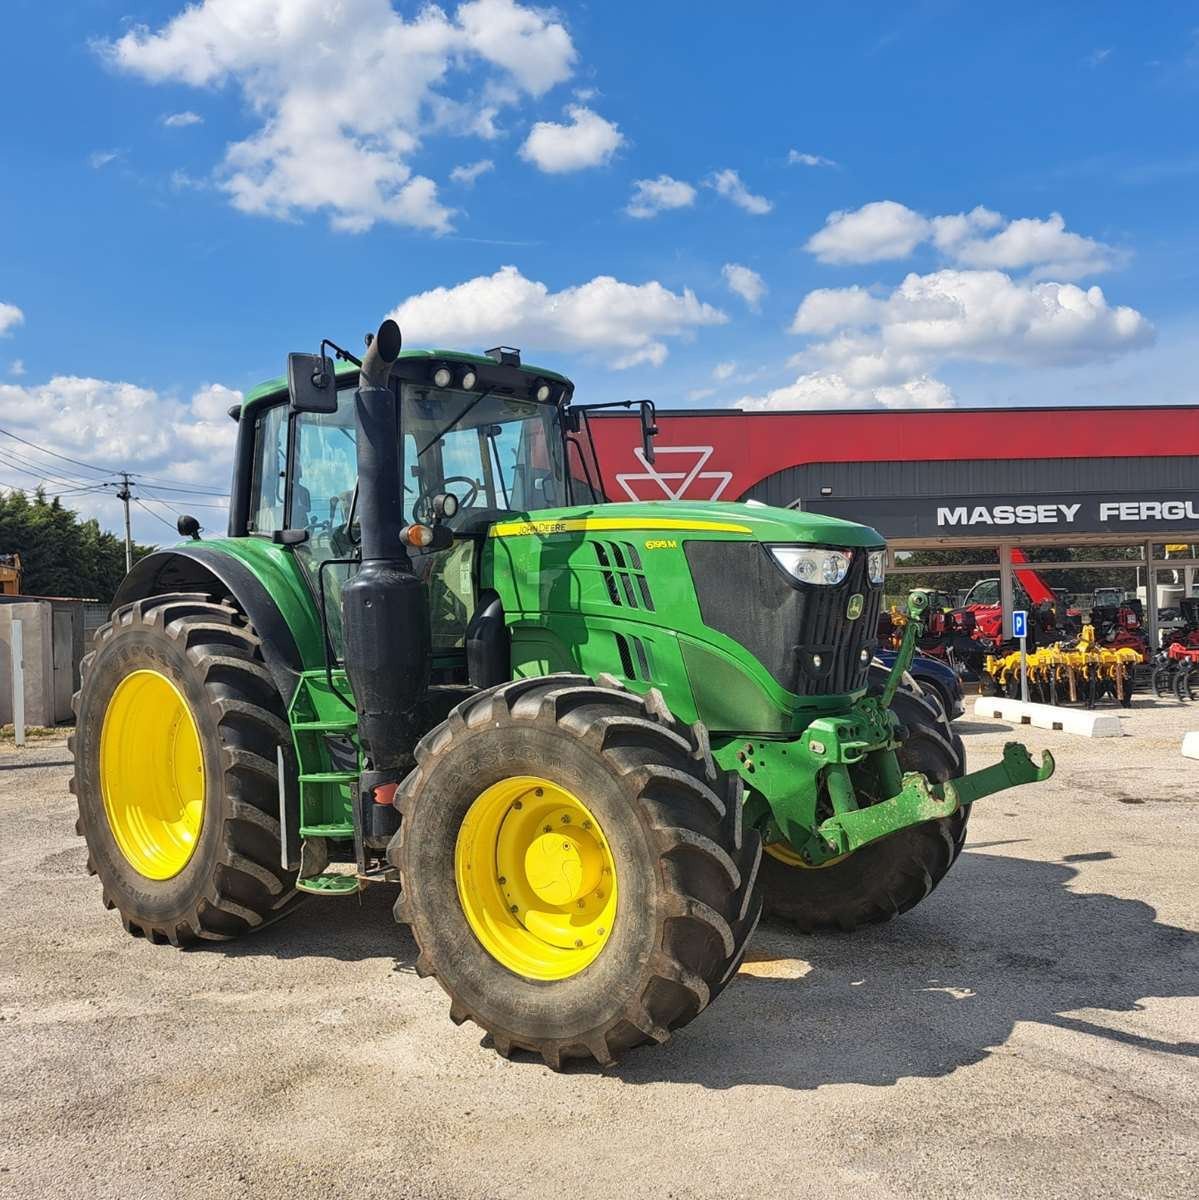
(204, 568)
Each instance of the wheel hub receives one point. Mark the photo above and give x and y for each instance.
(561, 866)
(152, 774)
(536, 878)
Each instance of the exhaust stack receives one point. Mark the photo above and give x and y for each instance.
(384, 607)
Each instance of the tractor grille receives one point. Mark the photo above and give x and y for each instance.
(784, 624)
(826, 631)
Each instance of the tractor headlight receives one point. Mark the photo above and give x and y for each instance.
(812, 564)
(876, 565)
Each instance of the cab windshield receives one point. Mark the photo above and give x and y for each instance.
(495, 453)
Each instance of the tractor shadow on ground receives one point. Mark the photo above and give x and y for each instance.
(1002, 941)
(350, 928)
(962, 726)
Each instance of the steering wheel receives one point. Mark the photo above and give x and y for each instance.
(423, 505)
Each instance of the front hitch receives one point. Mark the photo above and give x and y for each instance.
(918, 800)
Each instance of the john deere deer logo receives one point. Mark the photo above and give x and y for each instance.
(853, 610)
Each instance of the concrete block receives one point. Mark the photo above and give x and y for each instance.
(1190, 744)
(1081, 721)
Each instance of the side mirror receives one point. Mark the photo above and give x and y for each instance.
(311, 383)
(649, 429)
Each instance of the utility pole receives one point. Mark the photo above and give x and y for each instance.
(123, 494)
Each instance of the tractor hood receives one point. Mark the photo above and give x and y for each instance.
(712, 518)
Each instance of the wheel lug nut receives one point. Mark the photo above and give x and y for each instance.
(578, 943)
(548, 828)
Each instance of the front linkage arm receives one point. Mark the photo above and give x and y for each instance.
(785, 779)
(919, 800)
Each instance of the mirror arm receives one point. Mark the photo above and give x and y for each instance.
(338, 352)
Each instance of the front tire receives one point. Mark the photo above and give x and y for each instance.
(178, 724)
(664, 827)
(887, 877)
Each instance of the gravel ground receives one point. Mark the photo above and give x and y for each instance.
(1031, 1030)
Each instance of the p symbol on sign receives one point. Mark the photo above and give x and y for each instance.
(1019, 623)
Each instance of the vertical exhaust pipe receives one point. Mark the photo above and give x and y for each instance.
(384, 607)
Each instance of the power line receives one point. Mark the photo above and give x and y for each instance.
(146, 492)
(52, 495)
(54, 454)
(163, 487)
(157, 500)
(17, 463)
(155, 515)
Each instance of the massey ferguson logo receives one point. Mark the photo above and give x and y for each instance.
(1108, 512)
(658, 484)
(1008, 514)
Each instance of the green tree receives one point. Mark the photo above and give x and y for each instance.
(61, 554)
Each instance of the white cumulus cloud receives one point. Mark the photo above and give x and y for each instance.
(652, 196)
(827, 389)
(343, 94)
(724, 371)
(797, 159)
(881, 349)
(885, 229)
(603, 316)
(745, 283)
(587, 140)
(10, 317)
(119, 425)
(468, 174)
(872, 233)
(728, 183)
(181, 120)
(99, 159)
(982, 238)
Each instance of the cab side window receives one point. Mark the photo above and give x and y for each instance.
(268, 480)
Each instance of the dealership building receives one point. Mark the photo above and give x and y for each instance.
(992, 481)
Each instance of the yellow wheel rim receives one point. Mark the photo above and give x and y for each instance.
(783, 852)
(535, 878)
(152, 774)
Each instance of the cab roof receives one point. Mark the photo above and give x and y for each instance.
(271, 389)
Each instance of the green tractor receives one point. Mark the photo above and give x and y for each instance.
(430, 653)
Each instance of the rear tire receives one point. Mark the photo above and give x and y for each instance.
(888, 877)
(685, 870)
(232, 882)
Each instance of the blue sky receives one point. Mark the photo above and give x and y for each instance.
(926, 204)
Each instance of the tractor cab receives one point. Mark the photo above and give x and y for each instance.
(479, 438)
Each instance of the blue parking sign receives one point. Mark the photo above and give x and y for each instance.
(1019, 623)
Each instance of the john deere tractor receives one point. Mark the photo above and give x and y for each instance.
(429, 653)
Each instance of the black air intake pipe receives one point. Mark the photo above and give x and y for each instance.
(384, 607)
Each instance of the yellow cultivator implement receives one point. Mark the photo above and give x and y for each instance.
(1062, 674)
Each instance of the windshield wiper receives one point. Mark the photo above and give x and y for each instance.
(457, 420)
(493, 432)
